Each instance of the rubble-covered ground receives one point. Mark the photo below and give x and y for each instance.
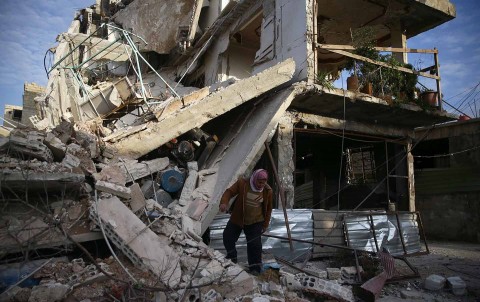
(61, 185)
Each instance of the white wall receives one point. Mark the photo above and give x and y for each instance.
(290, 36)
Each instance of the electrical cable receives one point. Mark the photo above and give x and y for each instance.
(449, 154)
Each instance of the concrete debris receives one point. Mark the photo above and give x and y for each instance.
(435, 282)
(457, 285)
(48, 292)
(114, 189)
(334, 273)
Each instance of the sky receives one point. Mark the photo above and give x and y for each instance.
(29, 28)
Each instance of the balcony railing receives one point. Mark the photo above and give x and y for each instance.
(432, 72)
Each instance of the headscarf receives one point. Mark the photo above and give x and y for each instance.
(257, 174)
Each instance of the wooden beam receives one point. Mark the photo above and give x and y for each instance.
(407, 70)
(389, 49)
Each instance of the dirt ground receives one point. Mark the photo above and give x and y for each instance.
(446, 259)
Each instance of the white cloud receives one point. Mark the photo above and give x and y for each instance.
(28, 30)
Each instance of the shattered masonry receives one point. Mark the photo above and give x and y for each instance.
(153, 108)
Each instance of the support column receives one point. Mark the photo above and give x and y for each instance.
(285, 157)
(401, 178)
(399, 39)
(411, 178)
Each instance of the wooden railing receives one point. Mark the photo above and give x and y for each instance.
(344, 50)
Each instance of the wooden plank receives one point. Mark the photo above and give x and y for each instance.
(351, 55)
(389, 49)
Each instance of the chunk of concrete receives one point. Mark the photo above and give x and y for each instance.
(334, 273)
(188, 187)
(134, 170)
(411, 295)
(435, 282)
(56, 146)
(139, 243)
(137, 201)
(457, 285)
(238, 283)
(155, 134)
(114, 189)
(48, 292)
(113, 174)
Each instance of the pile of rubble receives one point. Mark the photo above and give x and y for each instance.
(73, 186)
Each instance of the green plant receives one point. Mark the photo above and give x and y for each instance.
(324, 78)
(387, 81)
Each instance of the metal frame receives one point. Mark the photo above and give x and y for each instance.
(400, 230)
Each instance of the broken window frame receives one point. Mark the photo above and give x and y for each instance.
(367, 162)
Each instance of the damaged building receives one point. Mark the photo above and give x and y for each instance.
(153, 108)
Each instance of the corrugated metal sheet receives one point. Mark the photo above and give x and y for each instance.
(360, 234)
(301, 227)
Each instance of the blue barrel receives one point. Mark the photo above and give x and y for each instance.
(172, 181)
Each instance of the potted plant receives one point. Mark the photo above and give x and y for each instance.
(428, 96)
(363, 40)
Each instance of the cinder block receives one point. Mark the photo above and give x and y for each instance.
(334, 273)
(458, 286)
(411, 295)
(435, 282)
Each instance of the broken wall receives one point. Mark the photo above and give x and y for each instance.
(162, 24)
(30, 92)
(292, 35)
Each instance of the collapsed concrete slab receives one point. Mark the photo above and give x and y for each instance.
(138, 242)
(231, 161)
(148, 137)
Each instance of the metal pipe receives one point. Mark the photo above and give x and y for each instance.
(320, 244)
(388, 174)
(439, 86)
(129, 32)
(373, 232)
(132, 45)
(400, 233)
(423, 231)
(282, 195)
(153, 69)
(95, 55)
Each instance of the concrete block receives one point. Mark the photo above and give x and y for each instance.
(55, 145)
(238, 283)
(326, 288)
(334, 273)
(411, 295)
(188, 188)
(349, 274)
(196, 209)
(315, 271)
(70, 161)
(48, 292)
(134, 170)
(192, 166)
(435, 282)
(140, 244)
(114, 189)
(211, 296)
(137, 201)
(457, 285)
(111, 173)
